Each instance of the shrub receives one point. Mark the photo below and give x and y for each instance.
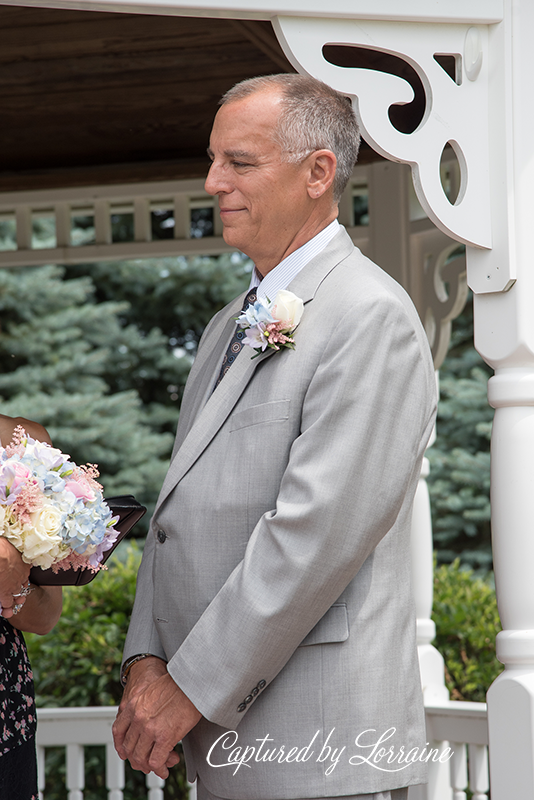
(467, 622)
(78, 664)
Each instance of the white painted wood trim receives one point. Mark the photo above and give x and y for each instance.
(469, 11)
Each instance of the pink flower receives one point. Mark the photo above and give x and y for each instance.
(15, 474)
(80, 488)
(26, 501)
(255, 337)
(276, 336)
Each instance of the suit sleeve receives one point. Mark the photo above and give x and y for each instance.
(142, 634)
(366, 419)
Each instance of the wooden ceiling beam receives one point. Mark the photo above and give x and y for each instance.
(103, 174)
(262, 35)
(93, 98)
(110, 34)
(166, 68)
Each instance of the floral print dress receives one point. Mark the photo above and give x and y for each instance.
(17, 701)
(18, 720)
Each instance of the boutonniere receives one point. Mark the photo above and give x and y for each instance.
(271, 324)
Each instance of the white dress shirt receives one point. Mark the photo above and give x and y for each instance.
(281, 276)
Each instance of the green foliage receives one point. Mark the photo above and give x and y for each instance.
(78, 664)
(56, 347)
(467, 622)
(459, 476)
(99, 354)
(171, 300)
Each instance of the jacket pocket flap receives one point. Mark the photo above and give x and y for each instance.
(274, 411)
(332, 627)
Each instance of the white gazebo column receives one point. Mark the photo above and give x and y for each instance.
(504, 334)
(431, 661)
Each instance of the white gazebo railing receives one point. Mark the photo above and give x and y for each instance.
(460, 726)
(75, 728)
(138, 204)
(379, 209)
(464, 726)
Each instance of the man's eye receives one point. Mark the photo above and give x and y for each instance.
(240, 164)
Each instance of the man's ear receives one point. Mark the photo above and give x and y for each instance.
(322, 172)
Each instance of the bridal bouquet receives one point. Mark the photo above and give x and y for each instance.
(52, 510)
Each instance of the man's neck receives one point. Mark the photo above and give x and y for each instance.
(281, 276)
(305, 234)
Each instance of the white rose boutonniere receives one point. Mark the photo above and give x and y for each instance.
(272, 324)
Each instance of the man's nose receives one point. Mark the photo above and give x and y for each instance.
(215, 180)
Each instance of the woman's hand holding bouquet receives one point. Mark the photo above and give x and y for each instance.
(51, 510)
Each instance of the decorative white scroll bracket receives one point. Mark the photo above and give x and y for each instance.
(456, 113)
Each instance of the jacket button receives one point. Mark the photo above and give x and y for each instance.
(161, 536)
(248, 699)
(262, 684)
(241, 707)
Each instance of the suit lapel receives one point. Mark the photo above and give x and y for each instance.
(209, 419)
(207, 410)
(202, 376)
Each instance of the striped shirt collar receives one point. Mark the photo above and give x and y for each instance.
(281, 276)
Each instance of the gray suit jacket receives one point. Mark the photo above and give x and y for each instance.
(278, 588)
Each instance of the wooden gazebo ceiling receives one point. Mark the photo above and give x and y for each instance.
(92, 98)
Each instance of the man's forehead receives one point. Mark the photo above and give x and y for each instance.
(245, 128)
(260, 108)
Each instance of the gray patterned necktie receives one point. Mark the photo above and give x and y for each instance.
(236, 345)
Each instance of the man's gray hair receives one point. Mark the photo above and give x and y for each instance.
(314, 117)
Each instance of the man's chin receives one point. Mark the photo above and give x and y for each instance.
(232, 238)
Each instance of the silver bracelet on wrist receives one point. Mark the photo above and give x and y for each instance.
(128, 664)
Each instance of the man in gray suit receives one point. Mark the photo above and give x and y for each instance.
(273, 628)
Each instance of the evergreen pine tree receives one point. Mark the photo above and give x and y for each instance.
(166, 304)
(100, 354)
(459, 460)
(56, 345)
